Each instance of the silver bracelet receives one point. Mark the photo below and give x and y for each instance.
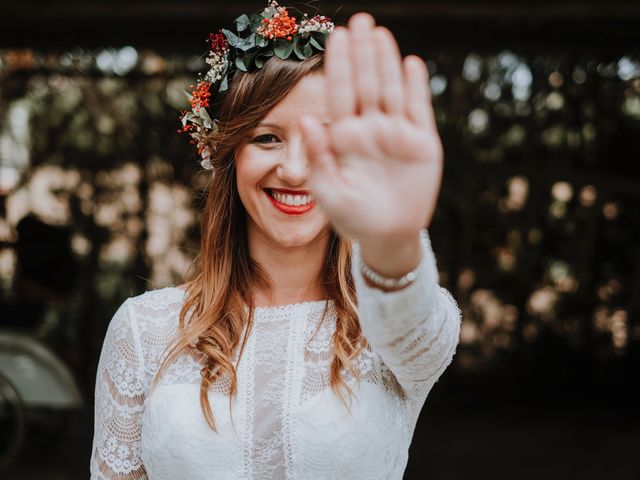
(390, 283)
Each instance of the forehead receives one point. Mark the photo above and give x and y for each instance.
(307, 96)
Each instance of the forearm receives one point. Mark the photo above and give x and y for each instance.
(415, 329)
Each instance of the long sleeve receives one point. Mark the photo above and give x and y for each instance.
(119, 402)
(415, 330)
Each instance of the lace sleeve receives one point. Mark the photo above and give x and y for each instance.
(414, 330)
(119, 403)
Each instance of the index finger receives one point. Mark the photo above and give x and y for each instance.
(339, 75)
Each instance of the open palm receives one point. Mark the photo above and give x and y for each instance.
(376, 169)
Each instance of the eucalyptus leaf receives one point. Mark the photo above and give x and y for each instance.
(261, 41)
(240, 64)
(204, 115)
(256, 21)
(224, 84)
(232, 38)
(259, 62)
(269, 12)
(283, 48)
(247, 59)
(320, 37)
(242, 23)
(313, 42)
(248, 43)
(302, 51)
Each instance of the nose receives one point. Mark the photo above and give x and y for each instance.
(293, 167)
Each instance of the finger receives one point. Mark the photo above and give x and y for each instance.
(391, 73)
(364, 61)
(339, 74)
(325, 180)
(317, 143)
(418, 94)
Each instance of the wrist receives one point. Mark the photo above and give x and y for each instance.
(392, 257)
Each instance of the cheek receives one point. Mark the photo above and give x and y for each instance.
(252, 167)
(248, 174)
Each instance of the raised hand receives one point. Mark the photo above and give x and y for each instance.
(376, 169)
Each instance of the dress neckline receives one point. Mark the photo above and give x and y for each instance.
(309, 306)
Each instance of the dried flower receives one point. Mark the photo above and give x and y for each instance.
(318, 23)
(281, 25)
(200, 96)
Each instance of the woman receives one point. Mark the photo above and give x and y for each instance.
(315, 314)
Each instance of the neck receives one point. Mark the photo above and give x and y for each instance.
(295, 271)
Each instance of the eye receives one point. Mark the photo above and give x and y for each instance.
(266, 138)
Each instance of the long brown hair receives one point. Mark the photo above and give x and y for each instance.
(224, 274)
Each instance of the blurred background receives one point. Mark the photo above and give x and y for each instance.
(537, 234)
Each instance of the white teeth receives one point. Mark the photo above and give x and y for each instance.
(293, 200)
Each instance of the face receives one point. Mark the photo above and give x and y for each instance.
(272, 172)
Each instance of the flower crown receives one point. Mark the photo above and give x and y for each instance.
(255, 39)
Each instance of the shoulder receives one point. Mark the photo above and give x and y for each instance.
(156, 310)
(158, 301)
(154, 317)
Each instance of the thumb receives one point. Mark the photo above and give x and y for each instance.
(325, 175)
(317, 143)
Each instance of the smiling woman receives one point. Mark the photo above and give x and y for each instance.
(315, 277)
(272, 180)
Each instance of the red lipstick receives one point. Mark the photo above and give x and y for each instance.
(290, 209)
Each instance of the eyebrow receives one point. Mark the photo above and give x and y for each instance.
(275, 125)
(267, 124)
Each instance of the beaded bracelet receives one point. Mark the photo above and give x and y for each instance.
(390, 283)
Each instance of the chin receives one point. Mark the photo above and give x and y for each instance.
(289, 236)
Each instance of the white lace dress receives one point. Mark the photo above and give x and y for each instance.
(286, 422)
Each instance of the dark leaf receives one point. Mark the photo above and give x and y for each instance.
(247, 59)
(314, 43)
(320, 37)
(263, 56)
(256, 21)
(283, 48)
(240, 64)
(301, 48)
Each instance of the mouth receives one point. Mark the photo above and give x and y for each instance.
(290, 202)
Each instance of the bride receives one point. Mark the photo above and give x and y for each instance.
(314, 327)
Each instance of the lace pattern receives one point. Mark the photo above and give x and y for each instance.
(119, 403)
(286, 421)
